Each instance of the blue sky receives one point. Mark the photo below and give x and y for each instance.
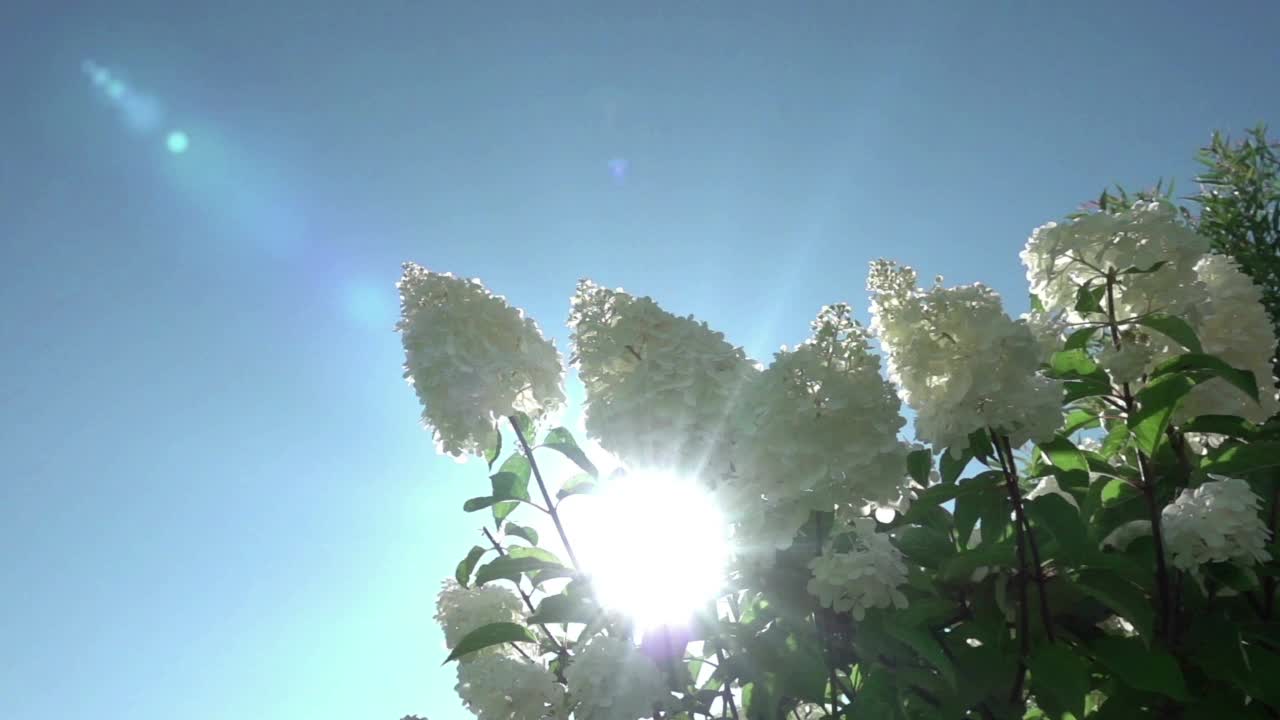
(215, 500)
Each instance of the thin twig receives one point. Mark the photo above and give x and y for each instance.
(546, 496)
(1046, 617)
(1024, 618)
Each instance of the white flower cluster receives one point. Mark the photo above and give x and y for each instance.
(459, 610)
(610, 679)
(961, 363)
(660, 388)
(818, 428)
(1233, 325)
(1216, 522)
(1062, 257)
(867, 575)
(472, 359)
(501, 687)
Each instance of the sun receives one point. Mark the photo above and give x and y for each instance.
(655, 546)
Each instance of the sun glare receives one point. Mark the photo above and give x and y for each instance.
(655, 547)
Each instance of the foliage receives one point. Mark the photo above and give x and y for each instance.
(1239, 202)
(1115, 560)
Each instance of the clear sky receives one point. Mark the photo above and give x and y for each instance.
(215, 500)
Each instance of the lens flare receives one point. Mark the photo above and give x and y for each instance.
(655, 547)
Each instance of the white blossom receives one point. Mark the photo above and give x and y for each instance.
(610, 679)
(472, 359)
(866, 575)
(960, 362)
(659, 388)
(1049, 330)
(1216, 522)
(500, 687)
(459, 610)
(818, 429)
(1063, 257)
(1128, 362)
(1233, 325)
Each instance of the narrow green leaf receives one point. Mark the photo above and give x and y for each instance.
(463, 573)
(1079, 339)
(919, 463)
(579, 484)
(1063, 453)
(1079, 419)
(502, 510)
(1115, 440)
(1229, 425)
(1156, 404)
(478, 503)
(491, 455)
(536, 553)
(926, 646)
(1174, 328)
(1148, 669)
(490, 635)
(925, 545)
(1059, 680)
(510, 568)
(1053, 513)
(1205, 366)
(562, 608)
(522, 531)
(1241, 459)
(561, 440)
(1089, 299)
(950, 467)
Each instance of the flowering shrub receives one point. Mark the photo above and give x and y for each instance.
(1083, 530)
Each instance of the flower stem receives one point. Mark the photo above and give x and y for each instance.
(1148, 480)
(537, 475)
(1024, 612)
(1046, 617)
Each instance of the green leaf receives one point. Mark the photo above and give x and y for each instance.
(536, 553)
(1135, 270)
(490, 635)
(1201, 367)
(1115, 440)
(1089, 299)
(562, 608)
(1079, 340)
(1241, 459)
(926, 646)
(1229, 425)
(950, 467)
(468, 564)
(1148, 669)
(511, 482)
(579, 484)
(1174, 328)
(523, 531)
(925, 545)
(1156, 404)
(1059, 679)
(974, 496)
(491, 455)
(1079, 419)
(1063, 453)
(1121, 597)
(502, 509)
(1117, 491)
(561, 440)
(1056, 515)
(478, 503)
(919, 463)
(510, 567)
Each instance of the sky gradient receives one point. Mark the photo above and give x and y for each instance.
(215, 499)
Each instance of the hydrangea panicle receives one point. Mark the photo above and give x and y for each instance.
(610, 679)
(459, 610)
(472, 359)
(1216, 522)
(817, 429)
(867, 575)
(501, 687)
(960, 362)
(659, 388)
